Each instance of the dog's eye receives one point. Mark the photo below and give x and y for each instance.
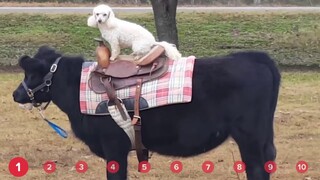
(97, 14)
(104, 14)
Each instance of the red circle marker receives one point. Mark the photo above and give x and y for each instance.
(113, 167)
(302, 166)
(18, 166)
(207, 167)
(270, 167)
(49, 167)
(144, 167)
(239, 167)
(81, 167)
(176, 166)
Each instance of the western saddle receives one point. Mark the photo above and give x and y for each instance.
(123, 72)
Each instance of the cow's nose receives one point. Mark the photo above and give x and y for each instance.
(15, 94)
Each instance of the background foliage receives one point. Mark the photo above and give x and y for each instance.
(292, 39)
(188, 2)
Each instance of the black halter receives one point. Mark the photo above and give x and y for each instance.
(47, 81)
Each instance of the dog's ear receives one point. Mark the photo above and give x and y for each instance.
(91, 22)
(111, 23)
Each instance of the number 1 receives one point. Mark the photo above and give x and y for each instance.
(18, 165)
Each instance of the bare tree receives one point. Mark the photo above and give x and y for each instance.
(165, 19)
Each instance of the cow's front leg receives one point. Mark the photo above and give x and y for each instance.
(116, 156)
(117, 169)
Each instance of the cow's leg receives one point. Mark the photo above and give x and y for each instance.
(252, 150)
(116, 152)
(270, 149)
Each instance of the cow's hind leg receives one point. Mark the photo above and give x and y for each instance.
(270, 149)
(253, 153)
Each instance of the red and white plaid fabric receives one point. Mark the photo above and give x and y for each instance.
(174, 87)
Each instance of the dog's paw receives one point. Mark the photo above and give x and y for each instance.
(113, 58)
(136, 58)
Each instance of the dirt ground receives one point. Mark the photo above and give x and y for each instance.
(297, 137)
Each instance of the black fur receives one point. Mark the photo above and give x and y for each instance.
(234, 95)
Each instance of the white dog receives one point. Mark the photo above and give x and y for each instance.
(123, 34)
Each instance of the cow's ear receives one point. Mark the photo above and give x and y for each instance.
(23, 61)
(28, 63)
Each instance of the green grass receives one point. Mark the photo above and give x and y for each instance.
(292, 39)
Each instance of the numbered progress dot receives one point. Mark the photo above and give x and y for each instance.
(18, 167)
(270, 167)
(113, 167)
(144, 167)
(49, 167)
(81, 167)
(302, 167)
(239, 166)
(207, 167)
(176, 166)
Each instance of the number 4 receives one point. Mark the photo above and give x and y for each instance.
(113, 167)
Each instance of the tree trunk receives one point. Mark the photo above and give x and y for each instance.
(165, 19)
(257, 2)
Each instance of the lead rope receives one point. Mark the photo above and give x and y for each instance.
(55, 127)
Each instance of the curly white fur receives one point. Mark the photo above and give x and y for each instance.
(123, 34)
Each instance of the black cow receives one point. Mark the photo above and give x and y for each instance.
(234, 95)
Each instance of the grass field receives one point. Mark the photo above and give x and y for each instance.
(292, 39)
(297, 137)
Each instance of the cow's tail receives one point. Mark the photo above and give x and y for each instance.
(171, 50)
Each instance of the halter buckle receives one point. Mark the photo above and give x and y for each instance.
(30, 93)
(53, 68)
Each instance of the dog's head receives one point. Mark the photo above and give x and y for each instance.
(102, 14)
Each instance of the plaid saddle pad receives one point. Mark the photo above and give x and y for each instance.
(172, 88)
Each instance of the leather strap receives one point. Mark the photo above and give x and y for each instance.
(113, 98)
(136, 117)
(141, 151)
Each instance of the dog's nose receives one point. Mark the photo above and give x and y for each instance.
(99, 21)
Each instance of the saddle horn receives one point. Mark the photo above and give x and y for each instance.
(102, 53)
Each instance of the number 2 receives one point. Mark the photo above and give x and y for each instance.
(49, 167)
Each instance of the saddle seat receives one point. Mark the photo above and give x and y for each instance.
(125, 71)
